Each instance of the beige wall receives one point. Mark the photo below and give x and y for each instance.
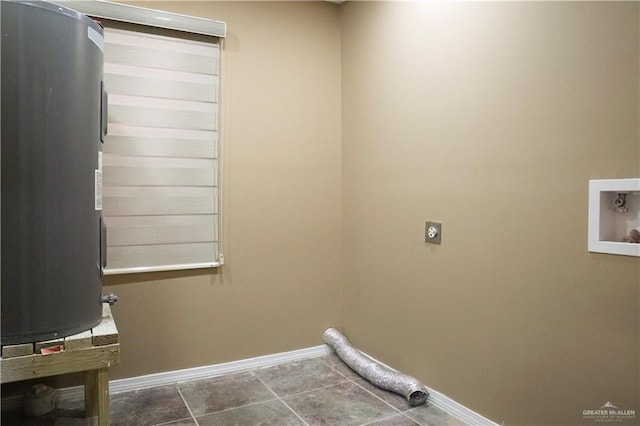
(491, 117)
(281, 285)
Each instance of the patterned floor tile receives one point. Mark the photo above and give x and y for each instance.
(336, 363)
(299, 376)
(341, 405)
(397, 420)
(183, 422)
(220, 393)
(147, 406)
(262, 414)
(397, 401)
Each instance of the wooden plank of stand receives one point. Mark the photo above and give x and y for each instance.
(96, 395)
(37, 365)
(12, 351)
(105, 333)
(78, 341)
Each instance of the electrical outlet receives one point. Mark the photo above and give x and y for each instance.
(433, 232)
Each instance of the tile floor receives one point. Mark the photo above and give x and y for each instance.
(316, 391)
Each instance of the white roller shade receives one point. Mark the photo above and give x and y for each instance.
(160, 161)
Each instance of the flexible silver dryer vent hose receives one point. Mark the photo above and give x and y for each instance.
(381, 376)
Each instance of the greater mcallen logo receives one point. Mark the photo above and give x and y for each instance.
(609, 413)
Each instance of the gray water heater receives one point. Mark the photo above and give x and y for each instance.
(53, 122)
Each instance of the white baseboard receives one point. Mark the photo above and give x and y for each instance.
(458, 410)
(167, 378)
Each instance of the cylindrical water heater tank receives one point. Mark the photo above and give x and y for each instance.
(52, 107)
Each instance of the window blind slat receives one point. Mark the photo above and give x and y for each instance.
(155, 58)
(158, 162)
(155, 117)
(163, 103)
(160, 42)
(119, 176)
(162, 230)
(136, 256)
(140, 146)
(154, 201)
(160, 74)
(159, 133)
(161, 88)
(120, 206)
(159, 191)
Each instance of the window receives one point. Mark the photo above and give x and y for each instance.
(160, 157)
